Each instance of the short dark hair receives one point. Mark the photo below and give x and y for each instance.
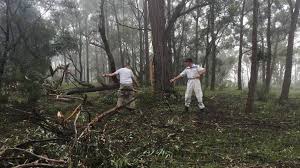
(188, 60)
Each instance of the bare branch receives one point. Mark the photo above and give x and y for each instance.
(97, 44)
(37, 156)
(27, 165)
(178, 13)
(130, 27)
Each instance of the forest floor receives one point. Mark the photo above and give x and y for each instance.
(161, 134)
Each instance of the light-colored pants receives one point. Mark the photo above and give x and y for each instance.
(125, 94)
(194, 85)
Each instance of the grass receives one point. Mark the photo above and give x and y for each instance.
(161, 134)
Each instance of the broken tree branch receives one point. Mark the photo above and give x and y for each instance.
(31, 142)
(37, 156)
(77, 110)
(107, 113)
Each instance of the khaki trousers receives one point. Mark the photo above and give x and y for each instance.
(125, 94)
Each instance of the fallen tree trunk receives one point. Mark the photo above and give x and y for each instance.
(38, 165)
(95, 89)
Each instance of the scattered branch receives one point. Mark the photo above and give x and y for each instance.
(38, 165)
(36, 156)
(108, 113)
(31, 142)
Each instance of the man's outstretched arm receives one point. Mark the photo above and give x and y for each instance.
(176, 78)
(109, 74)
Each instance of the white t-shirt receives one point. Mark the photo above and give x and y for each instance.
(191, 72)
(125, 75)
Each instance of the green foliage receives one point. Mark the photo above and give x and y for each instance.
(92, 152)
(30, 57)
(109, 99)
(260, 92)
(161, 134)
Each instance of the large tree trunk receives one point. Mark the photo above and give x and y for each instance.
(87, 43)
(91, 89)
(80, 51)
(4, 56)
(213, 45)
(269, 52)
(207, 53)
(253, 78)
(66, 74)
(178, 49)
(274, 60)
(161, 52)
(289, 58)
(146, 41)
(102, 31)
(240, 85)
(119, 35)
(141, 47)
(197, 34)
(263, 61)
(97, 61)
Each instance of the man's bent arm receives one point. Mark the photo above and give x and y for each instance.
(203, 71)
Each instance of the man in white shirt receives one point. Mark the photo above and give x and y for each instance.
(126, 90)
(193, 73)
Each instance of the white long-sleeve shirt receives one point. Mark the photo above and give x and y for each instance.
(125, 75)
(192, 72)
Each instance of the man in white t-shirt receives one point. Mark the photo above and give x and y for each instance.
(126, 90)
(193, 73)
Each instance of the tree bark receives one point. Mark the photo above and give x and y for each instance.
(146, 41)
(161, 32)
(161, 52)
(141, 47)
(269, 52)
(119, 35)
(197, 34)
(102, 31)
(240, 84)
(87, 43)
(97, 61)
(253, 77)
(80, 51)
(178, 50)
(66, 74)
(289, 58)
(207, 53)
(262, 58)
(274, 60)
(4, 56)
(213, 45)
